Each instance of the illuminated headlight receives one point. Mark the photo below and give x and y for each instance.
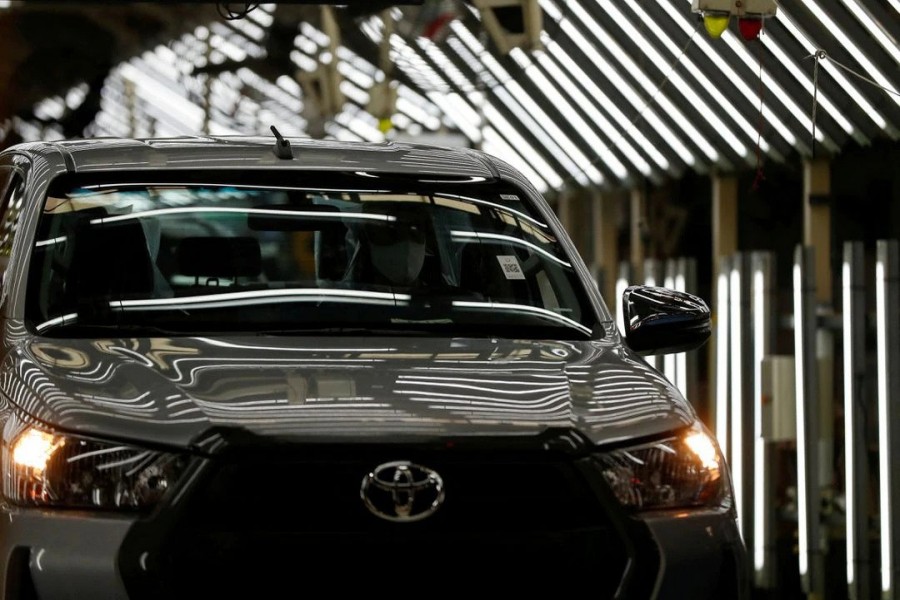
(47, 469)
(682, 471)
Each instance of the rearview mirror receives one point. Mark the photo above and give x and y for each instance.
(662, 321)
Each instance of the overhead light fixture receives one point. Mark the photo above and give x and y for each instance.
(750, 14)
(750, 28)
(630, 66)
(551, 61)
(538, 122)
(651, 24)
(585, 130)
(739, 83)
(608, 104)
(861, 57)
(834, 71)
(878, 31)
(716, 24)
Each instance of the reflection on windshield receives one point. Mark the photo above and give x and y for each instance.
(192, 258)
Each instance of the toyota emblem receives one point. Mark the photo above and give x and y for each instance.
(401, 491)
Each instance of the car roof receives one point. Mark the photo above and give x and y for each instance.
(257, 152)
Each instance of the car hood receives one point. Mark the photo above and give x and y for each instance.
(178, 391)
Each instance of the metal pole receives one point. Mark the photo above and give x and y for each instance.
(811, 557)
(762, 286)
(887, 315)
(856, 468)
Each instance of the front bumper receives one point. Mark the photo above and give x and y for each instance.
(61, 555)
(513, 522)
(701, 556)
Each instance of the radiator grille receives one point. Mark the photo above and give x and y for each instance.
(508, 520)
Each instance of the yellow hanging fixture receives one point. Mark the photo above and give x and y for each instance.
(750, 13)
(716, 24)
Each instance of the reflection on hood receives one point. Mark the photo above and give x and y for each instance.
(172, 390)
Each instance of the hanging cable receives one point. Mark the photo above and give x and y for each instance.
(860, 76)
(760, 175)
(820, 55)
(816, 56)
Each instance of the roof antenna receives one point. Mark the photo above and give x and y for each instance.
(282, 146)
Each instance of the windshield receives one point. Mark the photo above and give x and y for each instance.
(349, 255)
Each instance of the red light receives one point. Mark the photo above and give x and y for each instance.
(750, 28)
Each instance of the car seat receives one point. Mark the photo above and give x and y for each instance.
(107, 261)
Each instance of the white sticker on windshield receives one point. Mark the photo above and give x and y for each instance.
(511, 268)
(508, 197)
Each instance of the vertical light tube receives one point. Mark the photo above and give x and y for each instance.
(883, 415)
(759, 516)
(681, 365)
(669, 359)
(622, 282)
(887, 318)
(849, 417)
(762, 505)
(856, 469)
(737, 395)
(651, 278)
(802, 468)
(722, 370)
(806, 376)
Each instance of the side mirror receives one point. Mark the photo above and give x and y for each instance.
(662, 321)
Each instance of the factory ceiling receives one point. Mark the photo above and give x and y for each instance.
(578, 94)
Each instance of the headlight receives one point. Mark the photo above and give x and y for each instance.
(685, 470)
(47, 469)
